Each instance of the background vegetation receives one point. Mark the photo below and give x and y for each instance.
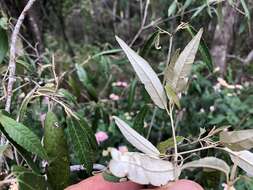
(68, 62)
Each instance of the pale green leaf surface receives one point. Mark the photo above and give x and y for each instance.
(141, 168)
(146, 74)
(136, 139)
(209, 162)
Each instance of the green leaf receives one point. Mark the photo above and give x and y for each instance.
(108, 176)
(28, 180)
(83, 77)
(187, 4)
(169, 143)
(199, 10)
(171, 94)
(83, 142)
(56, 147)
(132, 90)
(3, 44)
(139, 119)
(149, 43)
(246, 11)
(179, 74)
(22, 135)
(67, 95)
(204, 51)
(172, 8)
(237, 140)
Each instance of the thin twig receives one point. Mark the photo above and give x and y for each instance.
(12, 61)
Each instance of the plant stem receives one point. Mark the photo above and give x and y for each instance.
(170, 113)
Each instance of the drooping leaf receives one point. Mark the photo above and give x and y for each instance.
(149, 43)
(171, 94)
(237, 140)
(131, 95)
(28, 180)
(25, 155)
(83, 77)
(136, 139)
(209, 162)
(3, 44)
(141, 168)
(169, 143)
(138, 124)
(243, 159)
(22, 135)
(83, 142)
(204, 51)
(57, 150)
(146, 74)
(178, 79)
(172, 8)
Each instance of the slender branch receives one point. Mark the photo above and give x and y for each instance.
(12, 61)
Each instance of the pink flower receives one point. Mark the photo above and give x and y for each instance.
(120, 84)
(114, 97)
(123, 149)
(101, 136)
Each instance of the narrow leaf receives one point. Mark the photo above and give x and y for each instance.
(83, 77)
(3, 44)
(172, 8)
(141, 168)
(149, 44)
(209, 162)
(22, 135)
(83, 142)
(57, 150)
(244, 159)
(171, 94)
(146, 74)
(237, 140)
(136, 139)
(204, 51)
(182, 69)
(131, 93)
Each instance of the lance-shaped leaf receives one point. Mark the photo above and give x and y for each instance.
(243, 159)
(237, 140)
(57, 150)
(136, 139)
(146, 74)
(83, 141)
(22, 135)
(209, 162)
(178, 79)
(141, 168)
